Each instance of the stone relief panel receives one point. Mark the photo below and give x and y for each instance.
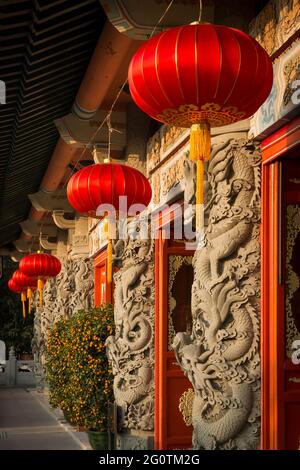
(276, 23)
(284, 99)
(221, 355)
(64, 295)
(131, 350)
(175, 263)
(292, 277)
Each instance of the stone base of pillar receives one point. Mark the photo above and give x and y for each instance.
(134, 440)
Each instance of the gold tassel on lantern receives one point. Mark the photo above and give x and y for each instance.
(40, 285)
(200, 145)
(29, 297)
(23, 299)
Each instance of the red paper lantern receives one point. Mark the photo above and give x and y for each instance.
(200, 72)
(24, 281)
(200, 75)
(29, 283)
(40, 266)
(14, 287)
(104, 183)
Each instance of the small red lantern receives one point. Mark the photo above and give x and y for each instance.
(29, 283)
(40, 266)
(104, 184)
(200, 75)
(18, 290)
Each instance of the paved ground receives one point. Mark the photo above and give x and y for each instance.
(26, 423)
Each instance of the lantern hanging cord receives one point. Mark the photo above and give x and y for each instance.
(161, 18)
(200, 11)
(90, 143)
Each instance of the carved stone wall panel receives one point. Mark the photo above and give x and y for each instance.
(221, 356)
(175, 263)
(131, 350)
(283, 101)
(292, 278)
(63, 295)
(276, 23)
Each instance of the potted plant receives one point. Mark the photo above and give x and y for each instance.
(78, 373)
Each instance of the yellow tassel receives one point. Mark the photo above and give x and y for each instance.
(109, 262)
(23, 299)
(200, 146)
(40, 286)
(200, 196)
(200, 142)
(29, 297)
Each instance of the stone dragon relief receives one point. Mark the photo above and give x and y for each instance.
(131, 350)
(221, 355)
(64, 295)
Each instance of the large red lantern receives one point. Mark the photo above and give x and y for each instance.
(14, 287)
(26, 282)
(104, 184)
(200, 76)
(40, 266)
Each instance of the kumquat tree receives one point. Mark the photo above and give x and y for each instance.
(77, 369)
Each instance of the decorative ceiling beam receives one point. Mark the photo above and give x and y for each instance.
(61, 222)
(50, 201)
(46, 244)
(33, 228)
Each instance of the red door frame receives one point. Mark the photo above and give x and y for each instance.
(101, 262)
(274, 149)
(162, 250)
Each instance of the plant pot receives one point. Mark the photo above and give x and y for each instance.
(98, 439)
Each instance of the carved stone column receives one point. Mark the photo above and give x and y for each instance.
(131, 350)
(221, 356)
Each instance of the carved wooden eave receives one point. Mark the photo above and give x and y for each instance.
(136, 22)
(33, 228)
(61, 222)
(77, 132)
(24, 246)
(15, 255)
(46, 244)
(50, 201)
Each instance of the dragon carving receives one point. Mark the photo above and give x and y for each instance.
(130, 351)
(221, 356)
(64, 295)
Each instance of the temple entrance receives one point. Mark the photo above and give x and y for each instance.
(102, 290)
(173, 280)
(281, 290)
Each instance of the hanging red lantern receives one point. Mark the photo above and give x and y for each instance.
(40, 266)
(29, 283)
(200, 76)
(14, 287)
(104, 184)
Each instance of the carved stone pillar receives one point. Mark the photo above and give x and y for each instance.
(70, 291)
(221, 356)
(131, 350)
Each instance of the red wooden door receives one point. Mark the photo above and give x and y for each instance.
(102, 290)
(281, 289)
(174, 276)
(291, 265)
